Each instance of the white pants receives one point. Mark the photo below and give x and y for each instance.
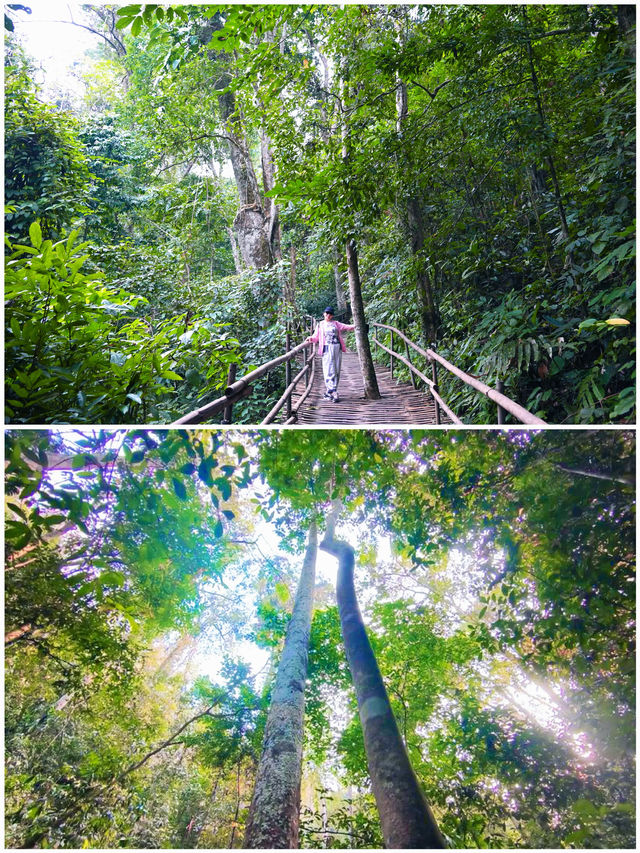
(331, 360)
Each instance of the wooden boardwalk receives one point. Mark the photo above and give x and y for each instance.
(400, 402)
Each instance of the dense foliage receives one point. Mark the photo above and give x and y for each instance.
(149, 582)
(480, 157)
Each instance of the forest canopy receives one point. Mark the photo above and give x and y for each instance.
(196, 199)
(151, 580)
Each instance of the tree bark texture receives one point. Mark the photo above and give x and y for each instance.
(369, 380)
(405, 816)
(274, 813)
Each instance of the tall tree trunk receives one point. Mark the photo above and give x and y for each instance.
(627, 478)
(274, 814)
(290, 281)
(627, 27)
(405, 816)
(251, 224)
(272, 212)
(235, 251)
(415, 226)
(369, 380)
(428, 311)
(543, 121)
(234, 822)
(371, 390)
(341, 299)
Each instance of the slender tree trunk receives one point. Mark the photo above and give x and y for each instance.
(290, 282)
(274, 814)
(414, 224)
(272, 212)
(371, 391)
(543, 120)
(428, 311)
(405, 816)
(369, 380)
(627, 478)
(325, 823)
(234, 823)
(341, 299)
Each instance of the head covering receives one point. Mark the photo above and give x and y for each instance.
(328, 311)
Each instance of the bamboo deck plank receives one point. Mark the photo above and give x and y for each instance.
(400, 402)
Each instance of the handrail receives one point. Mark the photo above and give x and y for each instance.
(288, 391)
(294, 414)
(239, 389)
(518, 411)
(432, 386)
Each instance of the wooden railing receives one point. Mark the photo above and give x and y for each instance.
(237, 389)
(504, 404)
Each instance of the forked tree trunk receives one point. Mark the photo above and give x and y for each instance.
(405, 816)
(274, 813)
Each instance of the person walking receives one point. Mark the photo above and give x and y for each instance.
(328, 336)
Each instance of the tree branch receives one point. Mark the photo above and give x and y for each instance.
(430, 93)
(626, 479)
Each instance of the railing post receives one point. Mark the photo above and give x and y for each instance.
(434, 374)
(307, 362)
(391, 348)
(414, 381)
(231, 378)
(287, 372)
(501, 412)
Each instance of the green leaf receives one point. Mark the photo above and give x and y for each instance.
(35, 234)
(224, 487)
(282, 592)
(179, 488)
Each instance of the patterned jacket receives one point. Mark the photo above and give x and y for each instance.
(319, 334)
